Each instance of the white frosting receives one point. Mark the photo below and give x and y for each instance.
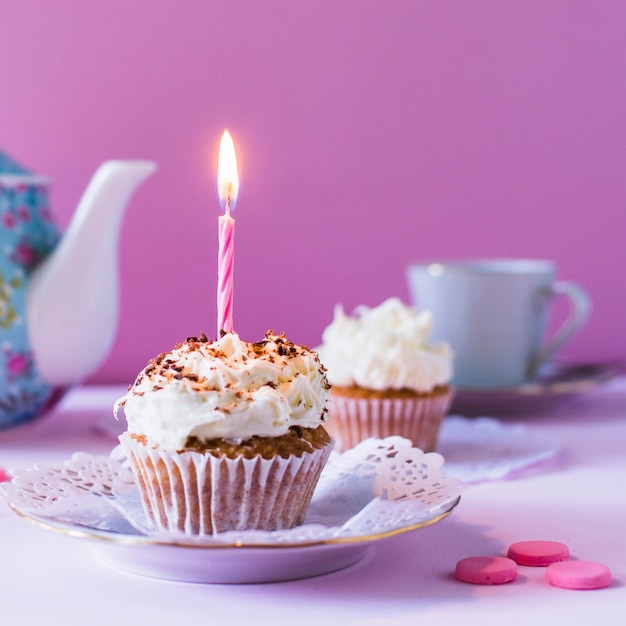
(228, 389)
(384, 348)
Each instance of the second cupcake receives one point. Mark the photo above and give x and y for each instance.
(386, 379)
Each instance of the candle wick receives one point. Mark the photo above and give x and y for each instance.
(230, 189)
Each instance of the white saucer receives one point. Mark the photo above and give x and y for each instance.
(555, 382)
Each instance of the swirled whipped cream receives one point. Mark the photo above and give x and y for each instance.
(226, 389)
(384, 348)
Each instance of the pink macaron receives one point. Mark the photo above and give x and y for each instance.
(538, 553)
(579, 575)
(486, 570)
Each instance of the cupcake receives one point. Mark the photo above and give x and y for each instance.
(386, 379)
(227, 435)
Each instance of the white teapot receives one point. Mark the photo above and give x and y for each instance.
(58, 294)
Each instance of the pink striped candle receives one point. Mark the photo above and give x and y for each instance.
(228, 189)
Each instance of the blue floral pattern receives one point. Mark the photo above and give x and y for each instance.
(27, 235)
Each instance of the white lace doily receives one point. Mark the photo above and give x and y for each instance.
(377, 487)
(484, 448)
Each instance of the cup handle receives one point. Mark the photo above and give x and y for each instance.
(580, 306)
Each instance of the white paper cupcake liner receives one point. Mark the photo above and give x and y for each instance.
(201, 494)
(352, 419)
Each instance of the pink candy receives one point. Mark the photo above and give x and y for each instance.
(560, 572)
(579, 575)
(538, 553)
(486, 570)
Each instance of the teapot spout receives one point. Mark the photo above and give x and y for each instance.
(72, 297)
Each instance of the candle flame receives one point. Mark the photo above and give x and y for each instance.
(227, 176)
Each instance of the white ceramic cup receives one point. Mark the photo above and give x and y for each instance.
(493, 313)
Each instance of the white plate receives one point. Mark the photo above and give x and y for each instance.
(226, 563)
(363, 496)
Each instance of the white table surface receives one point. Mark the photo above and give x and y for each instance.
(578, 498)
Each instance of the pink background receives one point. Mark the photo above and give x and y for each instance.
(369, 134)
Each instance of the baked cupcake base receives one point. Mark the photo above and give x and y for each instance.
(214, 490)
(355, 414)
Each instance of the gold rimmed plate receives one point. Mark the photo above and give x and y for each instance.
(186, 560)
(379, 489)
